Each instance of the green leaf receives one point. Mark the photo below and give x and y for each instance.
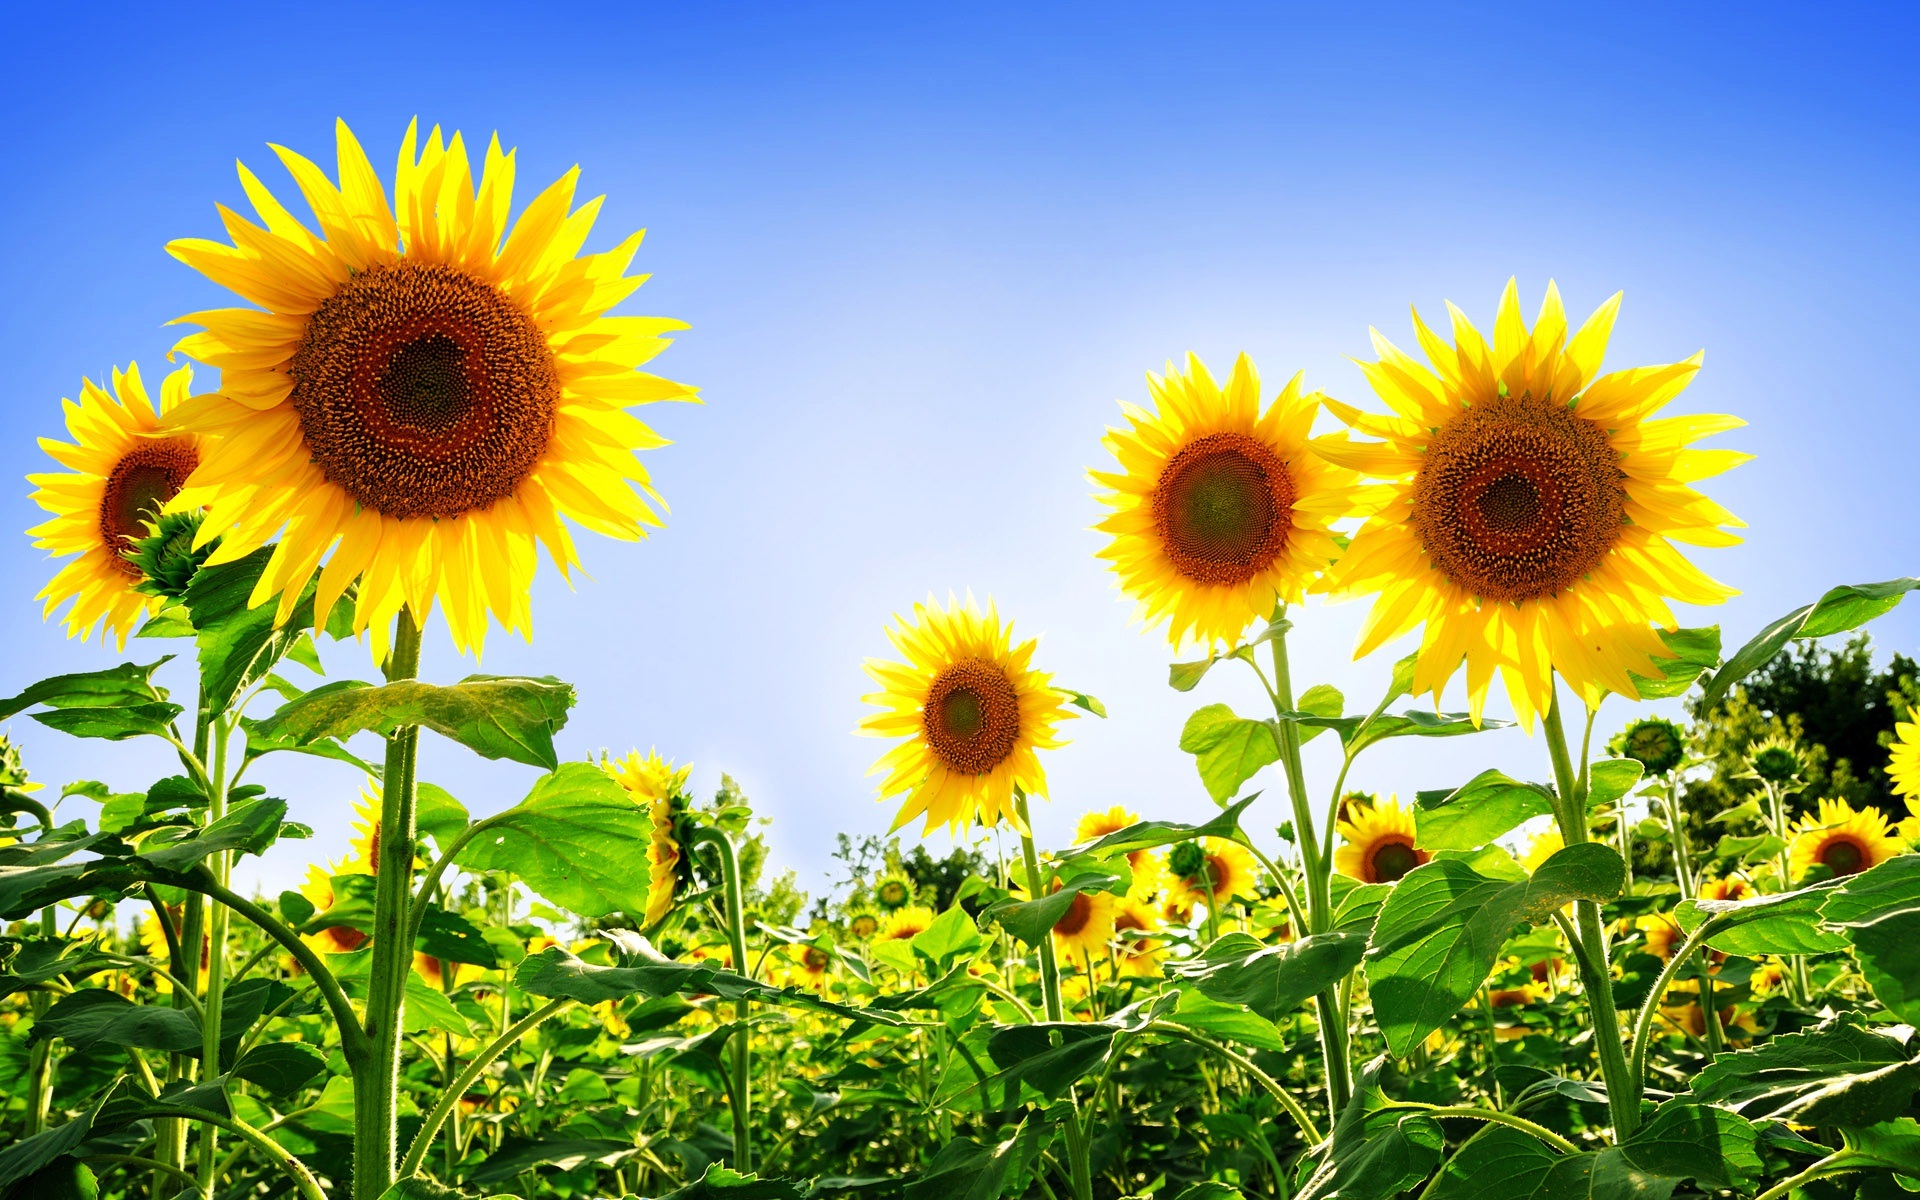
(237, 644)
(1184, 677)
(577, 839)
(428, 1009)
(1696, 651)
(966, 1170)
(248, 828)
(1145, 835)
(1833, 1074)
(1440, 932)
(1272, 980)
(1083, 701)
(724, 1183)
(1478, 811)
(1879, 912)
(281, 1068)
(1781, 923)
(1322, 700)
(951, 936)
(30, 1155)
(1375, 1151)
(452, 938)
(94, 1015)
(439, 815)
(497, 717)
(1031, 920)
(38, 960)
(1049, 1058)
(517, 1156)
(171, 621)
(1894, 1145)
(1841, 609)
(1234, 1022)
(1611, 778)
(1682, 1141)
(1228, 749)
(114, 687)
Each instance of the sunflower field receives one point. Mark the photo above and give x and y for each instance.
(603, 990)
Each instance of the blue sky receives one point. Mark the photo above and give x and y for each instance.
(926, 251)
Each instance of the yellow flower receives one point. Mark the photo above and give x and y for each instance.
(1680, 1012)
(1732, 887)
(903, 923)
(429, 396)
(655, 783)
(972, 710)
(1661, 933)
(318, 889)
(1769, 977)
(1083, 931)
(1224, 870)
(1221, 510)
(808, 965)
(1379, 843)
(1147, 867)
(1534, 507)
(1903, 761)
(863, 926)
(1842, 840)
(1138, 955)
(363, 848)
(1542, 847)
(123, 468)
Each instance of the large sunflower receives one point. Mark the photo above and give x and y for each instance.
(123, 469)
(1534, 508)
(422, 392)
(658, 784)
(1220, 510)
(972, 710)
(1378, 843)
(1842, 840)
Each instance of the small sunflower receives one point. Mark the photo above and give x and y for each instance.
(422, 393)
(808, 965)
(1083, 931)
(1221, 511)
(1656, 743)
(1843, 841)
(363, 847)
(1534, 508)
(123, 469)
(1728, 887)
(973, 712)
(1379, 843)
(893, 892)
(903, 925)
(1138, 954)
(1147, 868)
(661, 786)
(863, 926)
(1903, 761)
(1212, 871)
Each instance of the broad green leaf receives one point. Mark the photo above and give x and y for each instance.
(30, 1155)
(1879, 912)
(1894, 1145)
(429, 1010)
(1184, 677)
(951, 936)
(1842, 608)
(115, 724)
(114, 687)
(37, 960)
(1781, 923)
(1682, 1141)
(1695, 652)
(1478, 811)
(94, 1015)
(438, 815)
(517, 1156)
(577, 839)
(452, 938)
(1757, 848)
(238, 644)
(1031, 920)
(967, 1170)
(248, 828)
(724, 1183)
(281, 1068)
(1272, 980)
(557, 972)
(171, 621)
(1375, 1151)
(1233, 1022)
(1145, 835)
(1836, 1073)
(1049, 1058)
(1322, 700)
(494, 716)
(1356, 905)
(1611, 778)
(1440, 932)
(260, 742)
(1228, 749)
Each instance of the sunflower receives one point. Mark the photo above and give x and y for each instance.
(863, 926)
(416, 395)
(1212, 871)
(363, 847)
(1541, 847)
(1534, 508)
(1903, 760)
(1730, 887)
(1680, 1012)
(1843, 841)
(318, 889)
(1146, 866)
(1084, 930)
(124, 467)
(659, 785)
(903, 924)
(893, 892)
(1661, 933)
(1656, 743)
(1379, 843)
(972, 710)
(1221, 511)
(1139, 954)
(808, 965)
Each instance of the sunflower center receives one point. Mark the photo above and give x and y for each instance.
(814, 958)
(141, 483)
(972, 717)
(1078, 913)
(1390, 860)
(1518, 498)
(422, 391)
(1224, 508)
(1843, 856)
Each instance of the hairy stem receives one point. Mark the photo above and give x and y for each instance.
(450, 1098)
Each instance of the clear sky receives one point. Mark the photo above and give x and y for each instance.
(925, 251)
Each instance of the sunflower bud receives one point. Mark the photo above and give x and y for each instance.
(1187, 860)
(13, 771)
(893, 893)
(1655, 743)
(1776, 762)
(166, 557)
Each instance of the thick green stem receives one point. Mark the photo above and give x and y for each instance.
(450, 1098)
(741, 1048)
(1596, 974)
(1079, 1163)
(303, 1180)
(1331, 1019)
(1840, 1162)
(376, 1089)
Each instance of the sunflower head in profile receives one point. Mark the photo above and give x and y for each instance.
(1656, 743)
(905, 924)
(972, 711)
(1533, 508)
(1378, 843)
(660, 787)
(1841, 840)
(1727, 887)
(123, 468)
(1148, 870)
(893, 892)
(1220, 510)
(1212, 871)
(422, 389)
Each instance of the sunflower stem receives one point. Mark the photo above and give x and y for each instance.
(1332, 1021)
(376, 1089)
(220, 865)
(1080, 1165)
(1570, 809)
(737, 938)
